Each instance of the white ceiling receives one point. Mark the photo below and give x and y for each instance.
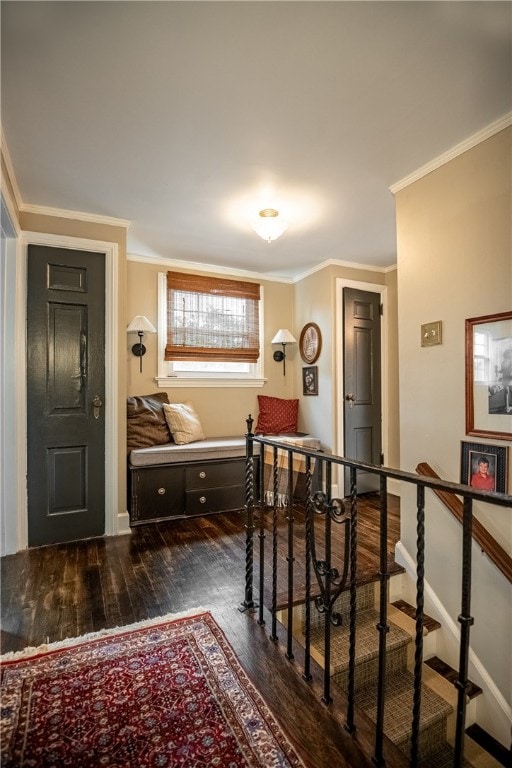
(187, 118)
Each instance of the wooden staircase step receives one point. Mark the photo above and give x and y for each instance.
(495, 753)
(429, 624)
(450, 674)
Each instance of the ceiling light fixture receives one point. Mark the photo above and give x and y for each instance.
(269, 226)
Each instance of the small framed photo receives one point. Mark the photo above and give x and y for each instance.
(484, 466)
(310, 380)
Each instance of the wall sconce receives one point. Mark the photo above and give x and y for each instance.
(141, 325)
(284, 337)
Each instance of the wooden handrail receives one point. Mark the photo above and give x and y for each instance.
(481, 535)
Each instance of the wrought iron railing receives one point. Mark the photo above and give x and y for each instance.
(332, 581)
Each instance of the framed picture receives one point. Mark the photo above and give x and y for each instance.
(310, 380)
(310, 343)
(484, 466)
(489, 376)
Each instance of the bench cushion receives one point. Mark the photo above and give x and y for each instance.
(203, 450)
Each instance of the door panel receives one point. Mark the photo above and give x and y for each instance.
(65, 372)
(362, 383)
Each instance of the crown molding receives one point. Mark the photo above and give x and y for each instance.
(10, 170)
(347, 265)
(62, 213)
(451, 154)
(212, 268)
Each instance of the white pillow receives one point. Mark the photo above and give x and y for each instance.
(183, 422)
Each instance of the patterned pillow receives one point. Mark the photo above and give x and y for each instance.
(183, 422)
(276, 415)
(146, 424)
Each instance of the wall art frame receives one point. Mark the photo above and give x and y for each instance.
(489, 376)
(310, 380)
(483, 466)
(310, 343)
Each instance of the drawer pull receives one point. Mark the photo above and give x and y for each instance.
(202, 475)
(202, 499)
(161, 491)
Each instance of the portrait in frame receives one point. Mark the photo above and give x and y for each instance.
(484, 466)
(489, 376)
(310, 380)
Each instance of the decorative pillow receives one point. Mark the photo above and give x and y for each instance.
(276, 415)
(146, 424)
(183, 422)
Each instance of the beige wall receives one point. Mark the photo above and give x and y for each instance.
(316, 301)
(222, 410)
(454, 262)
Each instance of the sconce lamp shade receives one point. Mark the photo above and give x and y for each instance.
(141, 323)
(283, 336)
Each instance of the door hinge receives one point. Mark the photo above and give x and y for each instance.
(381, 309)
(382, 459)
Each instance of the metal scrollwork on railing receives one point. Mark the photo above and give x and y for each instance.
(330, 581)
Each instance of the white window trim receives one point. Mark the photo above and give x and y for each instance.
(200, 379)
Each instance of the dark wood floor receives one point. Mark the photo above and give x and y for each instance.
(66, 590)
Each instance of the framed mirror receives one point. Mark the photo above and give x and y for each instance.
(489, 376)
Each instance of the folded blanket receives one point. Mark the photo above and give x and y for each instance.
(283, 480)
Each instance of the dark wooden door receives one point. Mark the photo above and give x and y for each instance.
(362, 383)
(65, 394)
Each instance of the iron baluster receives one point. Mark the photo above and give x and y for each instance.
(261, 537)
(327, 599)
(248, 603)
(290, 557)
(273, 635)
(350, 724)
(466, 620)
(382, 626)
(418, 646)
(307, 618)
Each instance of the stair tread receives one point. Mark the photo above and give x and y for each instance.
(450, 674)
(399, 706)
(429, 623)
(367, 640)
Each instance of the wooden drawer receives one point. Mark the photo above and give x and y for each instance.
(156, 494)
(207, 500)
(215, 475)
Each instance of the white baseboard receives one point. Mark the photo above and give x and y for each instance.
(123, 523)
(493, 711)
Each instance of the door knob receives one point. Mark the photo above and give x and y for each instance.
(350, 399)
(96, 405)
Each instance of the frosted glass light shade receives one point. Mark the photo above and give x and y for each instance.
(269, 225)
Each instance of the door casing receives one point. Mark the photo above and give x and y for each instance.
(110, 250)
(341, 283)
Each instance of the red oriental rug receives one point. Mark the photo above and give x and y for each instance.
(166, 694)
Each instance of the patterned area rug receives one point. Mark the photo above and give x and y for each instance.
(162, 694)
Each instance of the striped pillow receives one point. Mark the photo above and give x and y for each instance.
(183, 422)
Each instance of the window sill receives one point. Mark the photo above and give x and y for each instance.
(204, 381)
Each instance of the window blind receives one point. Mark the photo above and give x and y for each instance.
(210, 318)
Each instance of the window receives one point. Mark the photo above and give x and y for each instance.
(209, 329)
(481, 357)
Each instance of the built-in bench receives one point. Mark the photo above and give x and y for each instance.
(172, 481)
(207, 476)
